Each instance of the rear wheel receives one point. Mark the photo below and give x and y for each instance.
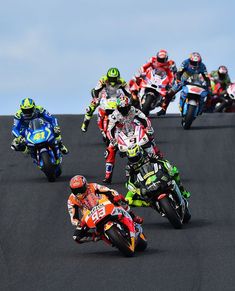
(48, 168)
(170, 212)
(189, 117)
(119, 241)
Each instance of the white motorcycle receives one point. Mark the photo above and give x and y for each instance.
(132, 134)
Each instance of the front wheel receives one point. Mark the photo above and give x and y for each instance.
(187, 215)
(170, 212)
(48, 167)
(119, 241)
(220, 107)
(146, 107)
(58, 171)
(189, 117)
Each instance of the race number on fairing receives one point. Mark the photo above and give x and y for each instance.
(97, 213)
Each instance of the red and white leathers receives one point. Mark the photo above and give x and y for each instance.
(103, 95)
(169, 67)
(117, 121)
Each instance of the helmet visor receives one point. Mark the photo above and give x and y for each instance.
(161, 60)
(113, 80)
(221, 76)
(194, 63)
(134, 159)
(80, 190)
(28, 111)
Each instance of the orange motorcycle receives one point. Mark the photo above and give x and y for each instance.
(115, 226)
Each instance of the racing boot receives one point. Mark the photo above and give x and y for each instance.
(110, 160)
(85, 124)
(161, 112)
(135, 202)
(89, 112)
(108, 173)
(185, 194)
(63, 149)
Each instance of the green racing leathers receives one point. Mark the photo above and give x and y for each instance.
(133, 195)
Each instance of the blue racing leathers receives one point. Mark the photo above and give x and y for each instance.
(21, 122)
(186, 71)
(186, 74)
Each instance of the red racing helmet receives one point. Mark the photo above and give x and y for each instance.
(78, 185)
(162, 56)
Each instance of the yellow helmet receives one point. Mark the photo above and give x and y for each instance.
(135, 154)
(27, 106)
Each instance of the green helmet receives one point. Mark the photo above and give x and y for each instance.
(113, 75)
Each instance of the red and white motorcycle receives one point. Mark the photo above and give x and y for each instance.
(132, 134)
(154, 86)
(226, 103)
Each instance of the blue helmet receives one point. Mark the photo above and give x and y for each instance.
(27, 106)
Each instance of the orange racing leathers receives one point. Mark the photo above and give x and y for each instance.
(88, 201)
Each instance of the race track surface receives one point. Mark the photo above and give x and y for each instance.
(37, 251)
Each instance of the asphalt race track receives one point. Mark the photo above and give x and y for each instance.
(37, 251)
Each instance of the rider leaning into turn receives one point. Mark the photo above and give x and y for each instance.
(125, 113)
(190, 67)
(29, 111)
(112, 82)
(82, 197)
(136, 159)
(160, 61)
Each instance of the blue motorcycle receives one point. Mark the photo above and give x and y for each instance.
(193, 95)
(43, 146)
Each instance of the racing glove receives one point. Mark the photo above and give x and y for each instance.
(149, 130)
(113, 142)
(57, 131)
(18, 143)
(118, 199)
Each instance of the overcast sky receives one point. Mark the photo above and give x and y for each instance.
(55, 50)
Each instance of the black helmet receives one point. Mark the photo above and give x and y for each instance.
(222, 72)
